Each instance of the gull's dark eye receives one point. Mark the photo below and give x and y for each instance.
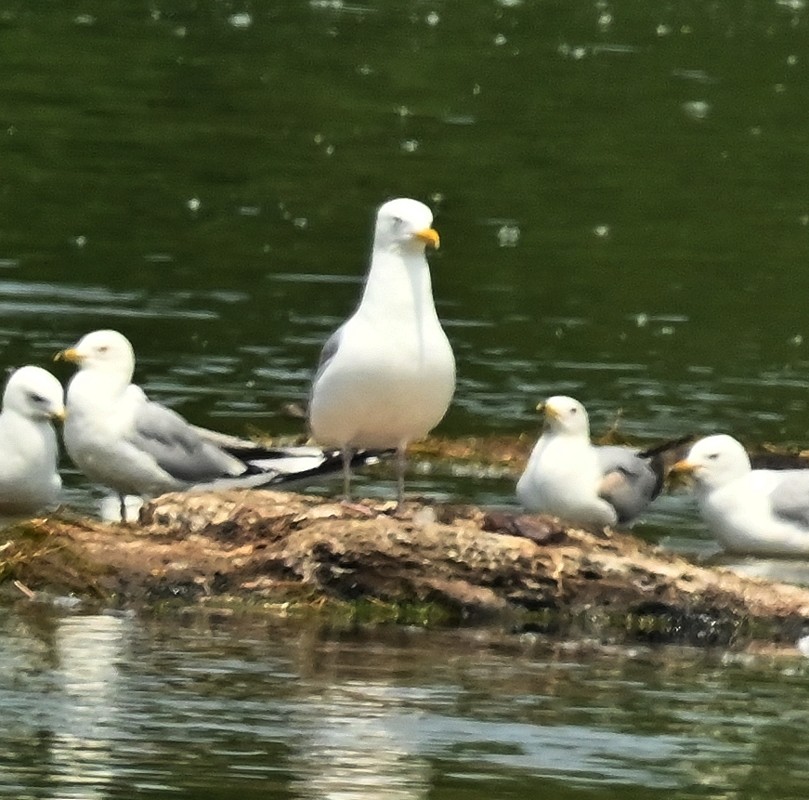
(574, 410)
(35, 398)
(713, 456)
(102, 349)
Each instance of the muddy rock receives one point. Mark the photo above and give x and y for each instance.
(452, 564)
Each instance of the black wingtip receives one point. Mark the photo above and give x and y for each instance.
(667, 446)
(332, 463)
(663, 456)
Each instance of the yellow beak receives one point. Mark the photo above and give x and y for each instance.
(683, 467)
(71, 354)
(59, 415)
(430, 237)
(548, 411)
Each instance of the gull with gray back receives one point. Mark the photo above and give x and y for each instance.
(387, 375)
(755, 511)
(584, 484)
(120, 439)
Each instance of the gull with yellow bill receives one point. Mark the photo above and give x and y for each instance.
(29, 480)
(121, 439)
(386, 376)
(755, 511)
(585, 484)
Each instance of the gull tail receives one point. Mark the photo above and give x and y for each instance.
(267, 467)
(663, 456)
(284, 464)
(298, 464)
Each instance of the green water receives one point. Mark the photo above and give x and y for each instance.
(113, 707)
(622, 191)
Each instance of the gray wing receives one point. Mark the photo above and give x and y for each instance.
(790, 497)
(629, 482)
(178, 448)
(327, 353)
(223, 440)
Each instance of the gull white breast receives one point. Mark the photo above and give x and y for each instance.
(569, 477)
(387, 375)
(121, 439)
(29, 480)
(755, 511)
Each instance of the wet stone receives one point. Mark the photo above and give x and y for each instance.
(453, 564)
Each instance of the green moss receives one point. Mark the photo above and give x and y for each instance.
(301, 603)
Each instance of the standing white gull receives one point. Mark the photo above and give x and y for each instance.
(569, 477)
(119, 438)
(756, 511)
(29, 480)
(387, 375)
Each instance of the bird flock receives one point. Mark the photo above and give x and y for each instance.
(385, 378)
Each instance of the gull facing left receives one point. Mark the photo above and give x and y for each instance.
(569, 477)
(119, 438)
(755, 511)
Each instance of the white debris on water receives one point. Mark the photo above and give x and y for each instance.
(241, 19)
(697, 109)
(508, 235)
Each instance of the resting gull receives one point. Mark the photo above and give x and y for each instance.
(29, 480)
(119, 438)
(756, 511)
(387, 375)
(584, 484)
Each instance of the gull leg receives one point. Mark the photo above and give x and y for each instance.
(346, 454)
(355, 508)
(401, 466)
(122, 501)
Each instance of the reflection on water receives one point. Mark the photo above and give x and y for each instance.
(104, 706)
(366, 743)
(61, 697)
(84, 710)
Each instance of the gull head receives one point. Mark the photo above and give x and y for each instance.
(715, 461)
(565, 415)
(404, 225)
(104, 350)
(34, 393)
